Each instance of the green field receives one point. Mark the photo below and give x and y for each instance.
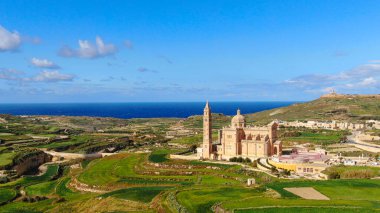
(142, 194)
(6, 195)
(201, 199)
(41, 189)
(6, 158)
(196, 139)
(320, 209)
(317, 137)
(142, 177)
(197, 186)
(159, 156)
(74, 141)
(122, 169)
(353, 189)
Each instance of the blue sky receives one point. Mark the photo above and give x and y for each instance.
(131, 51)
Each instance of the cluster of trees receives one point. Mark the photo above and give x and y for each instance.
(240, 160)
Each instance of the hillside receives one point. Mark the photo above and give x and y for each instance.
(340, 107)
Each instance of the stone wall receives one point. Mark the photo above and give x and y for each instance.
(184, 157)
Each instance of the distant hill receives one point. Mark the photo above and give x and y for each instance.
(328, 107)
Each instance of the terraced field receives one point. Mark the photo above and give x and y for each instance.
(151, 182)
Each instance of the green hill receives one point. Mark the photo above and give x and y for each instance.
(339, 107)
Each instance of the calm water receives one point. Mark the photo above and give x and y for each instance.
(137, 110)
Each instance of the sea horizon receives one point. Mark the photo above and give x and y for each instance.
(127, 110)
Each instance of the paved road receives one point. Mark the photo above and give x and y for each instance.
(361, 144)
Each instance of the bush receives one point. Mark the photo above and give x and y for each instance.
(254, 164)
(234, 159)
(285, 172)
(334, 175)
(273, 169)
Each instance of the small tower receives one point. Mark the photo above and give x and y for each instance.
(207, 132)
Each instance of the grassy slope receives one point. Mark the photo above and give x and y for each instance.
(343, 194)
(7, 158)
(142, 194)
(355, 108)
(6, 194)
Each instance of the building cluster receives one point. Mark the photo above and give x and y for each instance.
(302, 161)
(262, 143)
(332, 125)
(238, 140)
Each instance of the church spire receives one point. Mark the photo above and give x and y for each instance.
(207, 105)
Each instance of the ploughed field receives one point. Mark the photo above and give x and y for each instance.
(150, 182)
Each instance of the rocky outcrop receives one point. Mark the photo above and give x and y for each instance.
(30, 161)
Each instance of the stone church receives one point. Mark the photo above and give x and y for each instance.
(238, 140)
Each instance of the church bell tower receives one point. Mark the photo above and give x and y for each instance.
(207, 132)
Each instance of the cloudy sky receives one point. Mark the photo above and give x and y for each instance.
(131, 51)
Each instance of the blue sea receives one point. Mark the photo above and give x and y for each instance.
(137, 110)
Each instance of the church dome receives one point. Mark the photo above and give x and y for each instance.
(238, 120)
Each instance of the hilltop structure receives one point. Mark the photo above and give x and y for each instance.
(238, 140)
(334, 94)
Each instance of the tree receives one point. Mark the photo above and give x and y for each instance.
(193, 148)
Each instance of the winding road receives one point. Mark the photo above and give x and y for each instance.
(352, 139)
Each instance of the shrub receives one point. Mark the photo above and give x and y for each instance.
(365, 173)
(273, 169)
(285, 172)
(334, 175)
(234, 159)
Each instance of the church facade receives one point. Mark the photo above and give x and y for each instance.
(238, 140)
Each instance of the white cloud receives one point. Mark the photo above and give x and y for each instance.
(44, 63)
(365, 83)
(43, 76)
(51, 76)
(9, 40)
(9, 74)
(88, 50)
(358, 79)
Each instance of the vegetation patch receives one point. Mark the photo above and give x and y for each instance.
(352, 189)
(6, 195)
(141, 194)
(315, 136)
(159, 156)
(352, 172)
(202, 199)
(44, 188)
(6, 159)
